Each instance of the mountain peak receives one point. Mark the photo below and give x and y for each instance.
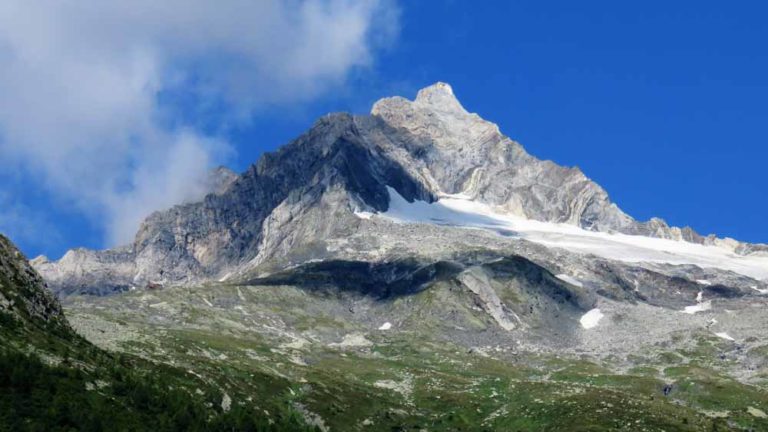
(436, 88)
(440, 96)
(279, 209)
(437, 97)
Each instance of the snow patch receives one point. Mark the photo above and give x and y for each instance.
(386, 326)
(364, 214)
(461, 211)
(703, 282)
(701, 307)
(725, 336)
(570, 279)
(591, 318)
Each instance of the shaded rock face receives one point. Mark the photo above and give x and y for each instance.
(514, 291)
(24, 297)
(293, 200)
(332, 166)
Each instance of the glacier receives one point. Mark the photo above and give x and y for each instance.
(458, 210)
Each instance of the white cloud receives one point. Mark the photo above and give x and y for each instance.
(81, 85)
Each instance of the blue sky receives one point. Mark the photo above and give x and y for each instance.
(662, 103)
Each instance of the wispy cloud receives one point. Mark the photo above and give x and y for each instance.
(96, 95)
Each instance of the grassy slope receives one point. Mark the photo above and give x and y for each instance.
(408, 380)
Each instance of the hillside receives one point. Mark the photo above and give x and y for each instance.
(52, 379)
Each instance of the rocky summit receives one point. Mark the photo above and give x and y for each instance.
(416, 268)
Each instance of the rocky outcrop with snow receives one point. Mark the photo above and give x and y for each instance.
(303, 201)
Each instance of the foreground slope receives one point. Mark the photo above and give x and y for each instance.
(356, 353)
(53, 379)
(25, 305)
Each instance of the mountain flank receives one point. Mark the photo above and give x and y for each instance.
(292, 201)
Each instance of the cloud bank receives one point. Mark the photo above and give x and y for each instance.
(101, 100)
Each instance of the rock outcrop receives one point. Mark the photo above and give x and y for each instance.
(24, 298)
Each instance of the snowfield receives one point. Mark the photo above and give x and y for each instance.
(701, 307)
(461, 211)
(591, 318)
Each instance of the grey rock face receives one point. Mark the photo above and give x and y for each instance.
(295, 203)
(461, 153)
(752, 249)
(83, 271)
